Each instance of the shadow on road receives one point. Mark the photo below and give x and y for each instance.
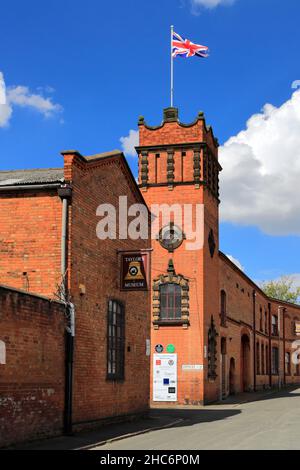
(157, 419)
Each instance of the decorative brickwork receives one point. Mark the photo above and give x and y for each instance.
(179, 280)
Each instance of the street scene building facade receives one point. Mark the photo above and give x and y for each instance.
(78, 311)
(224, 333)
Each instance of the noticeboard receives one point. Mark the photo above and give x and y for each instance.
(165, 377)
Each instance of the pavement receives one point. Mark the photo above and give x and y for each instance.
(261, 420)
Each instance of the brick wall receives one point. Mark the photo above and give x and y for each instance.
(196, 265)
(240, 321)
(30, 238)
(32, 380)
(94, 266)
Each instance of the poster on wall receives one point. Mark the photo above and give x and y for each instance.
(165, 377)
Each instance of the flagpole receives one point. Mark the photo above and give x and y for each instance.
(172, 68)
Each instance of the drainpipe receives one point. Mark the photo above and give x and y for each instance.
(70, 335)
(270, 345)
(64, 231)
(65, 193)
(254, 340)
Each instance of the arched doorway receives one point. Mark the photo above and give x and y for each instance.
(245, 363)
(232, 377)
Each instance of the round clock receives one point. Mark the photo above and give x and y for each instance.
(171, 237)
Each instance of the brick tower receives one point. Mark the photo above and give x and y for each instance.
(178, 164)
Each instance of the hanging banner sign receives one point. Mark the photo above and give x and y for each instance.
(164, 377)
(297, 327)
(134, 271)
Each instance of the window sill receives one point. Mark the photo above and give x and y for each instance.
(110, 378)
(171, 322)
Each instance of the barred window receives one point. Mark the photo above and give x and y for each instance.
(115, 341)
(170, 301)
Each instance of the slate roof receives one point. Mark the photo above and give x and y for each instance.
(24, 177)
(97, 156)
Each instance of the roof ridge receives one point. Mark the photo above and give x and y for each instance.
(31, 170)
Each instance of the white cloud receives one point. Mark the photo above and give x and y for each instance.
(261, 171)
(22, 97)
(2, 89)
(236, 262)
(210, 4)
(130, 142)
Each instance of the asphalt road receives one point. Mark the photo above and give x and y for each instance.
(272, 423)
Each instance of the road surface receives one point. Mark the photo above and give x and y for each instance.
(270, 423)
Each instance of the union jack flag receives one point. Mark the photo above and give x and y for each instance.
(186, 48)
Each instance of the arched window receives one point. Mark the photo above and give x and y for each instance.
(223, 307)
(170, 301)
(274, 325)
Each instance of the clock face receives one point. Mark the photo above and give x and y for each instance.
(171, 237)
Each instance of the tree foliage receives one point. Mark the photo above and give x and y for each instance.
(282, 289)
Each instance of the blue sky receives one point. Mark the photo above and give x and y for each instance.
(87, 70)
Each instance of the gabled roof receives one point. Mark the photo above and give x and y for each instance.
(35, 176)
(97, 156)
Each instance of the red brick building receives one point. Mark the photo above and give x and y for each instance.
(214, 321)
(49, 247)
(213, 331)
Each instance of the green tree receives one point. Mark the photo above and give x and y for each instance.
(282, 289)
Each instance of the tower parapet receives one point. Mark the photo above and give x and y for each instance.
(175, 153)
